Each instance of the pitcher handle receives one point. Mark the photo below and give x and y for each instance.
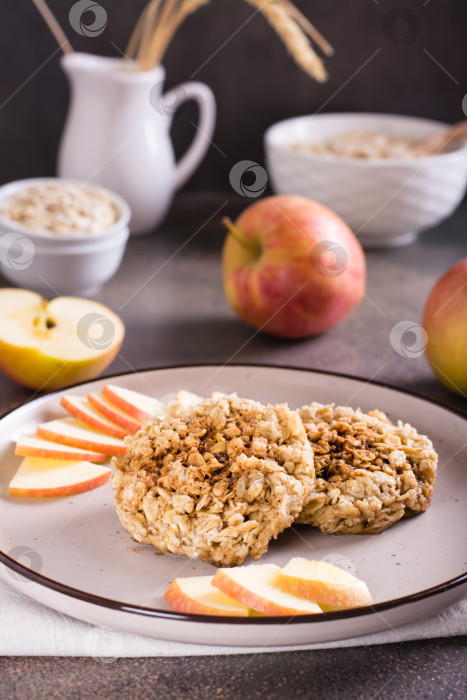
(204, 96)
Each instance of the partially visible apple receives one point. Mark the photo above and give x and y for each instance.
(69, 431)
(34, 446)
(51, 344)
(140, 406)
(48, 478)
(445, 321)
(196, 595)
(255, 587)
(292, 267)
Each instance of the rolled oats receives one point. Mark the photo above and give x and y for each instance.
(369, 472)
(62, 207)
(216, 480)
(362, 144)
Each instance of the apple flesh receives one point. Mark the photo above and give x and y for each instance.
(445, 321)
(188, 398)
(292, 267)
(50, 478)
(107, 408)
(323, 583)
(33, 446)
(196, 595)
(254, 587)
(138, 405)
(50, 344)
(81, 408)
(69, 431)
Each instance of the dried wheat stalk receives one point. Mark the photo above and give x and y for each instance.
(161, 19)
(53, 25)
(293, 37)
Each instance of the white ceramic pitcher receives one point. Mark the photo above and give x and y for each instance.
(117, 133)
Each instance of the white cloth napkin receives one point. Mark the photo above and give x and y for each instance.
(28, 628)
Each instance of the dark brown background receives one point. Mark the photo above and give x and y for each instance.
(254, 80)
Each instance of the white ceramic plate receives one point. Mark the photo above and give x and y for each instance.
(72, 554)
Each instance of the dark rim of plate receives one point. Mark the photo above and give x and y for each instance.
(221, 619)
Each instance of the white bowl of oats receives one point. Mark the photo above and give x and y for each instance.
(365, 168)
(60, 236)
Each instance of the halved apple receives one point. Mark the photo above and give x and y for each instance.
(33, 446)
(195, 594)
(82, 409)
(108, 409)
(323, 583)
(50, 344)
(48, 478)
(138, 405)
(254, 586)
(69, 431)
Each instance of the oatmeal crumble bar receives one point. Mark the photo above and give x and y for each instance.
(216, 480)
(369, 472)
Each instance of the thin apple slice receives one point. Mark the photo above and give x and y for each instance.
(69, 431)
(49, 478)
(33, 446)
(137, 405)
(218, 395)
(108, 409)
(323, 583)
(254, 586)
(80, 408)
(188, 398)
(195, 594)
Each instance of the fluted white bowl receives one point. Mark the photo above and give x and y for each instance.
(60, 264)
(386, 202)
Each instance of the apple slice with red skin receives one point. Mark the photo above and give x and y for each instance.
(50, 478)
(140, 406)
(108, 409)
(254, 586)
(323, 583)
(70, 431)
(33, 446)
(196, 595)
(81, 409)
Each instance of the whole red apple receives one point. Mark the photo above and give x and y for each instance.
(292, 267)
(445, 321)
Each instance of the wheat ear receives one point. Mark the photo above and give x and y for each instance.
(293, 37)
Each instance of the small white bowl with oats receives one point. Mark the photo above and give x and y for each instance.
(60, 236)
(363, 167)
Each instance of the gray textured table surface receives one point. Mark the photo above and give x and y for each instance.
(169, 295)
